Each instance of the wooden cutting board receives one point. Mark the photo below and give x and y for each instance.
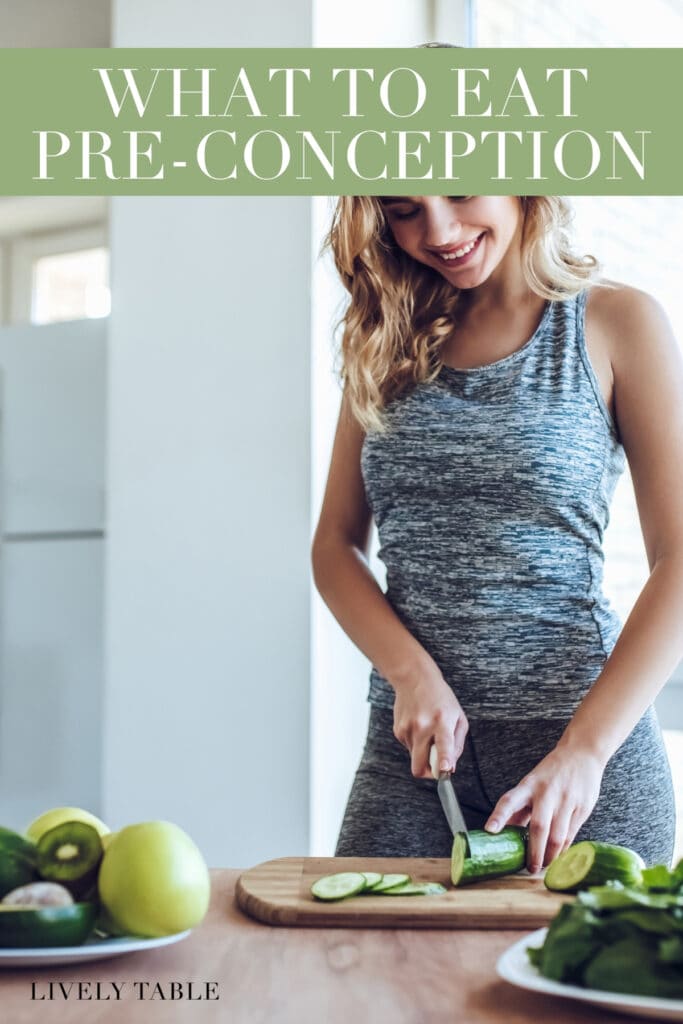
(279, 893)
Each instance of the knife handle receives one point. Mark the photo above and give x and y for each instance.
(432, 762)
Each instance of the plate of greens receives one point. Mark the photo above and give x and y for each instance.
(617, 946)
(514, 966)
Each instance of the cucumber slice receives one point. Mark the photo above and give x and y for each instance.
(487, 854)
(372, 878)
(337, 887)
(591, 863)
(390, 882)
(416, 889)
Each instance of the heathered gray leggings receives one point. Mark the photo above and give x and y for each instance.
(390, 813)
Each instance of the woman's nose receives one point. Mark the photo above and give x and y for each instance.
(442, 223)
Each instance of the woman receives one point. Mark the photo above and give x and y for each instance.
(492, 388)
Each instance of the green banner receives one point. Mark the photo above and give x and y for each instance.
(331, 121)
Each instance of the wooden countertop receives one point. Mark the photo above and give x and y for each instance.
(285, 975)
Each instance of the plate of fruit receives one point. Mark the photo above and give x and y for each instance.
(71, 890)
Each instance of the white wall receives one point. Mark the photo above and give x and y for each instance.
(207, 685)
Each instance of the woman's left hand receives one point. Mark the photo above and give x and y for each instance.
(553, 800)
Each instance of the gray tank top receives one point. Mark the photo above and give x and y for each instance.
(491, 491)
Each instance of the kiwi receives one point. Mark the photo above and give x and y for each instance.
(70, 853)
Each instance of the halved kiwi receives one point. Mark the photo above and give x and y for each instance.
(70, 853)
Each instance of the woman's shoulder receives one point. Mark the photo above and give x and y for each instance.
(623, 318)
(612, 302)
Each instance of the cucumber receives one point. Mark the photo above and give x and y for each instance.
(591, 863)
(337, 887)
(487, 854)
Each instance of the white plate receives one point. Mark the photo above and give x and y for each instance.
(514, 966)
(93, 949)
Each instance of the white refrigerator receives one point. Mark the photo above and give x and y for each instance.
(52, 535)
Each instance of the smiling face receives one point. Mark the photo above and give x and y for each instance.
(467, 239)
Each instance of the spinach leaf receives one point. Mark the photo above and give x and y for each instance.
(571, 941)
(630, 966)
(671, 950)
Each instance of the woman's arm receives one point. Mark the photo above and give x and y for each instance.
(426, 709)
(560, 793)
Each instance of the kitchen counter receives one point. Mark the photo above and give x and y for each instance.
(277, 975)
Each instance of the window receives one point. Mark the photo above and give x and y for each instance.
(60, 275)
(70, 286)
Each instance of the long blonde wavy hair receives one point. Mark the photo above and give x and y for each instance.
(401, 313)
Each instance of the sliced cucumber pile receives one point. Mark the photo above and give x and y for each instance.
(591, 863)
(356, 883)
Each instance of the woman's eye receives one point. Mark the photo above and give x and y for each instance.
(404, 214)
(460, 199)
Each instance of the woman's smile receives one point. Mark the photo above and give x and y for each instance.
(459, 254)
(480, 234)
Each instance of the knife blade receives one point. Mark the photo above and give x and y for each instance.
(448, 797)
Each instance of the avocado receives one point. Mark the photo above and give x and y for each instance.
(38, 927)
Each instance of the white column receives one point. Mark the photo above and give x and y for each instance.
(207, 603)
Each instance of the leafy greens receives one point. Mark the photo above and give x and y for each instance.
(620, 938)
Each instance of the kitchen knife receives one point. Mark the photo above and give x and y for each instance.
(448, 797)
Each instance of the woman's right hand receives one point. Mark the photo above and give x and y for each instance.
(426, 712)
(426, 709)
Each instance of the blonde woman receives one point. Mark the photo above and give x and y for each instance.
(493, 387)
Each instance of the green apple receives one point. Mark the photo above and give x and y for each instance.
(106, 839)
(153, 880)
(57, 816)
